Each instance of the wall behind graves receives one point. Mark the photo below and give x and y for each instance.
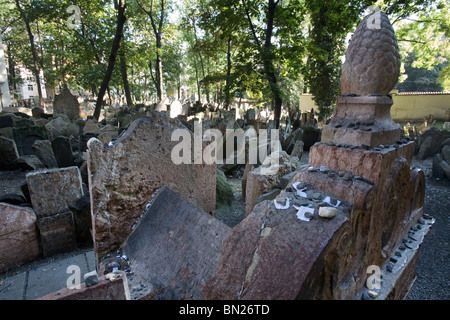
(413, 106)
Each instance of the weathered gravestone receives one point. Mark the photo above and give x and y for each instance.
(174, 249)
(123, 178)
(44, 151)
(26, 136)
(52, 191)
(8, 150)
(66, 104)
(19, 236)
(176, 109)
(371, 69)
(62, 149)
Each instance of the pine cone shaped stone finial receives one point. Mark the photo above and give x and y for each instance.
(372, 61)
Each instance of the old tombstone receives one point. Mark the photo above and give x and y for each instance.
(161, 106)
(124, 177)
(297, 150)
(19, 236)
(26, 136)
(446, 125)
(57, 233)
(174, 249)
(12, 120)
(292, 139)
(91, 126)
(430, 142)
(110, 130)
(52, 191)
(66, 104)
(44, 151)
(277, 257)
(259, 180)
(5, 97)
(62, 150)
(37, 112)
(176, 109)
(8, 150)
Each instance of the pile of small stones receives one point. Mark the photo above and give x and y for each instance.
(358, 125)
(380, 147)
(345, 175)
(314, 199)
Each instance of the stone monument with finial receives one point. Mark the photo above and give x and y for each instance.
(370, 71)
(370, 159)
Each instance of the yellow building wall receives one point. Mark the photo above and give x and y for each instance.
(405, 107)
(307, 103)
(417, 107)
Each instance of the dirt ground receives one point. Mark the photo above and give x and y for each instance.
(433, 272)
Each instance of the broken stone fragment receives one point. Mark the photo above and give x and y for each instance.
(44, 151)
(8, 150)
(90, 278)
(348, 176)
(19, 237)
(327, 212)
(263, 179)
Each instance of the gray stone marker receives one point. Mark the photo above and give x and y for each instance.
(52, 191)
(174, 249)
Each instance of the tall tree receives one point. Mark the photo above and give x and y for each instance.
(330, 23)
(266, 50)
(426, 37)
(121, 19)
(157, 31)
(124, 73)
(36, 69)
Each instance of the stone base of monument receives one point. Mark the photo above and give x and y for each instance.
(173, 249)
(362, 120)
(113, 286)
(398, 273)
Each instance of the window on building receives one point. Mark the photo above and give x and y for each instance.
(30, 87)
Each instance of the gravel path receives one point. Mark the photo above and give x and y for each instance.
(433, 273)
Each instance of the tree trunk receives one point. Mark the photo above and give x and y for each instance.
(34, 54)
(12, 69)
(121, 19)
(157, 30)
(159, 71)
(227, 81)
(179, 87)
(201, 61)
(269, 68)
(126, 85)
(268, 57)
(198, 82)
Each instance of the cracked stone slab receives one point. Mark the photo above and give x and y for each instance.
(274, 255)
(124, 177)
(174, 249)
